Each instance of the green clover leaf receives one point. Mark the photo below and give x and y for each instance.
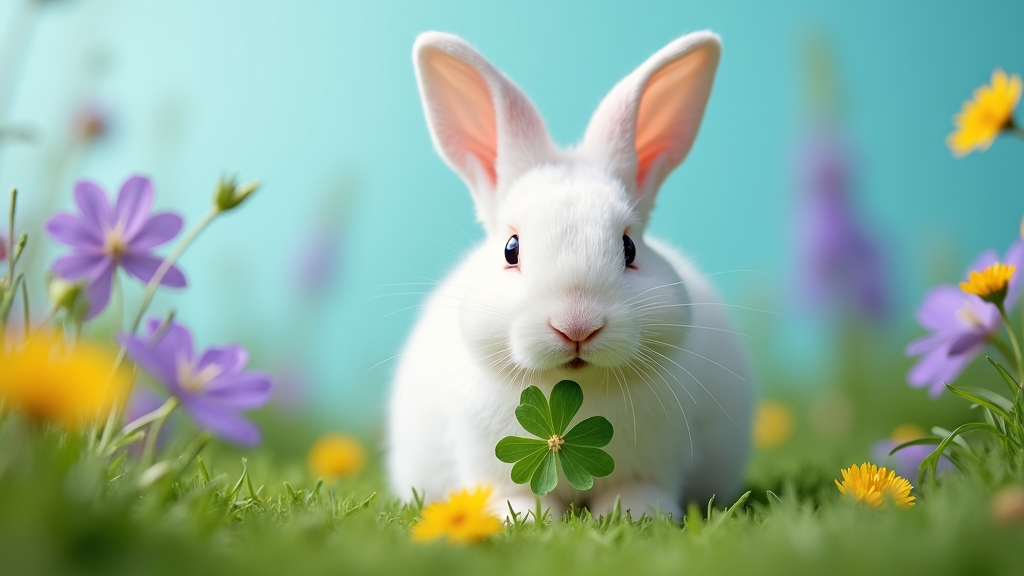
(577, 452)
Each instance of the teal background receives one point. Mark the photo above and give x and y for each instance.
(319, 101)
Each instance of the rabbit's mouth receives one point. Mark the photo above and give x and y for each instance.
(576, 363)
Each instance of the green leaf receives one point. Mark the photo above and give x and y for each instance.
(1010, 382)
(916, 442)
(533, 413)
(526, 468)
(566, 400)
(594, 460)
(578, 478)
(546, 477)
(512, 449)
(998, 399)
(594, 431)
(985, 398)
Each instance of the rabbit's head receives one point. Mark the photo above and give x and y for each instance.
(565, 280)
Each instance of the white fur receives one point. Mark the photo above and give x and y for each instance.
(664, 368)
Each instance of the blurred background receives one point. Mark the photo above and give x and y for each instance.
(820, 189)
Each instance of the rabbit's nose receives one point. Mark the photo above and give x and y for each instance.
(577, 331)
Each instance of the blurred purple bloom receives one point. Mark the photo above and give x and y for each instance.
(906, 462)
(212, 386)
(841, 260)
(960, 325)
(3, 247)
(318, 261)
(104, 237)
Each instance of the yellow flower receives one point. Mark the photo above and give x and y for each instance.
(773, 424)
(463, 519)
(873, 485)
(990, 283)
(46, 380)
(336, 456)
(981, 119)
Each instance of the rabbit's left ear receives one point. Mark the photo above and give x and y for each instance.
(647, 124)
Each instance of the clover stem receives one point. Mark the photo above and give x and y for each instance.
(1013, 342)
(154, 430)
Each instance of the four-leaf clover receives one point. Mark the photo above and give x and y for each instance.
(577, 452)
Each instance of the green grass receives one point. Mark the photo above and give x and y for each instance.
(61, 514)
(58, 517)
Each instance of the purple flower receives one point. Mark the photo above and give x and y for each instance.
(3, 247)
(960, 325)
(212, 386)
(841, 261)
(104, 237)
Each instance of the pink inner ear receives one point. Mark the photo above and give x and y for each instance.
(466, 123)
(670, 112)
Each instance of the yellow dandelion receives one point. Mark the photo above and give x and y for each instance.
(773, 424)
(336, 456)
(988, 113)
(464, 519)
(990, 283)
(872, 486)
(47, 380)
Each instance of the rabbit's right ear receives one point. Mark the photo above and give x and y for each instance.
(481, 123)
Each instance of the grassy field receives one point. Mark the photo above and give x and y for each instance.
(269, 516)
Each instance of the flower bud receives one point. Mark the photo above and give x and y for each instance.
(229, 194)
(69, 296)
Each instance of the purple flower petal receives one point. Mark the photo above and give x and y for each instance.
(69, 229)
(936, 368)
(149, 358)
(223, 423)
(97, 293)
(92, 201)
(176, 344)
(245, 392)
(230, 360)
(159, 229)
(144, 266)
(75, 266)
(133, 204)
(969, 343)
(938, 312)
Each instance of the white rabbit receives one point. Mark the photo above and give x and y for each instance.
(567, 286)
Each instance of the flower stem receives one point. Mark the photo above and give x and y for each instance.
(1004, 349)
(1013, 342)
(154, 429)
(10, 237)
(147, 297)
(154, 283)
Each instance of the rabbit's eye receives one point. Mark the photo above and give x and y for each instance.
(512, 251)
(629, 249)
